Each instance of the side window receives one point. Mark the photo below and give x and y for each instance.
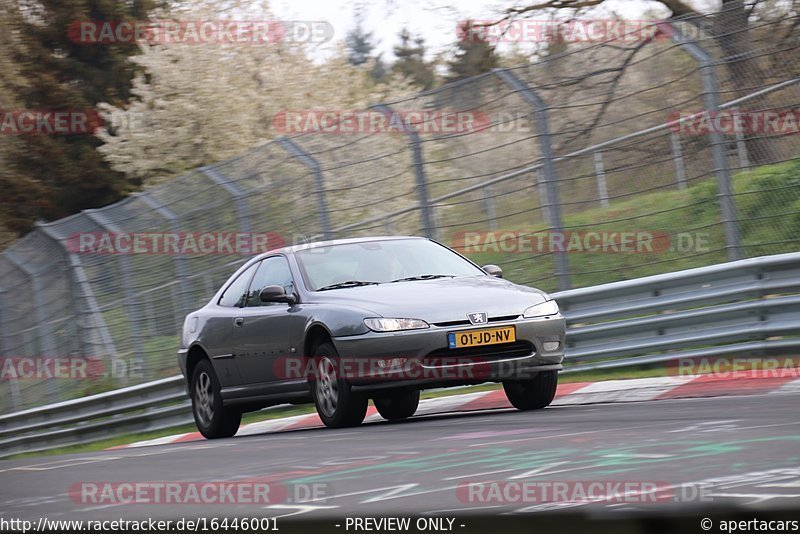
(272, 271)
(234, 294)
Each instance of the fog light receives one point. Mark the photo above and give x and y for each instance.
(393, 362)
(551, 345)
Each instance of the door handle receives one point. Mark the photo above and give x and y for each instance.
(238, 322)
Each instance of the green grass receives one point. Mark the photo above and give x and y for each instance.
(768, 206)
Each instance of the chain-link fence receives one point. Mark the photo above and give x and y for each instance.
(675, 148)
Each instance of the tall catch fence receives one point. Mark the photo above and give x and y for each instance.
(668, 149)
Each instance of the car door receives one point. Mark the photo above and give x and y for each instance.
(218, 335)
(263, 331)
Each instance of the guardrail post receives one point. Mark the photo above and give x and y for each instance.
(718, 150)
(128, 285)
(600, 173)
(426, 210)
(309, 161)
(180, 259)
(47, 344)
(82, 292)
(548, 176)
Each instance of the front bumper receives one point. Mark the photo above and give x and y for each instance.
(421, 358)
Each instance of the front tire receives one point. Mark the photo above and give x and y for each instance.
(337, 405)
(397, 406)
(533, 393)
(213, 420)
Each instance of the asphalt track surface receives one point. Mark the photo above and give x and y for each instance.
(734, 450)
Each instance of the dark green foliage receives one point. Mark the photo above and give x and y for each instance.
(473, 56)
(411, 62)
(52, 176)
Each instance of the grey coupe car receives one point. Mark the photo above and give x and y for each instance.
(340, 322)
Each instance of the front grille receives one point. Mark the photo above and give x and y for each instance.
(490, 320)
(516, 349)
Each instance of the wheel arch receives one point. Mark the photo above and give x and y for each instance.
(194, 356)
(316, 335)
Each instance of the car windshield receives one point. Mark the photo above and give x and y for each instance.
(392, 260)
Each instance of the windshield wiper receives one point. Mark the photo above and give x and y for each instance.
(349, 283)
(424, 277)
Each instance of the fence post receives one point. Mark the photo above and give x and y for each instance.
(488, 207)
(4, 329)
(548, 176)
(414, 142)
(128, 285)
(47, 344)
(542, 195)
(319, 181)
(718, 149)
(741, 147)
(242, 213)
(180, 259)
(85, 302)
(677, 157)
(16, 401)
(600, 172)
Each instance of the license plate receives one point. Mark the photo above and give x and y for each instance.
(478, 338)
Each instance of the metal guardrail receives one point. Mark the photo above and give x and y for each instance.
(137, 409)
(746, 307)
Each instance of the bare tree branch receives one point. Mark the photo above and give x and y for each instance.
(678, 7)
(554, 4)
(612, 86)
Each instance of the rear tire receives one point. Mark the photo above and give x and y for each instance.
(213, 420)
(337, 405)
(397, 406)
(533, 393)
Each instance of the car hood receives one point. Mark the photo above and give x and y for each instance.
(438, 300)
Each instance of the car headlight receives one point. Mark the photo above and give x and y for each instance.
(540, 310)
(381, 324)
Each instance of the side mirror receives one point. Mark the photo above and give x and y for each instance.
(493, 270)
(276, 294)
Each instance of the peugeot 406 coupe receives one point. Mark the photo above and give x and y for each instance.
(338, 323)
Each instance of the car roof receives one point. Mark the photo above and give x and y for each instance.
(317, 244)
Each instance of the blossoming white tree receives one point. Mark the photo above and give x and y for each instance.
(197, 104)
